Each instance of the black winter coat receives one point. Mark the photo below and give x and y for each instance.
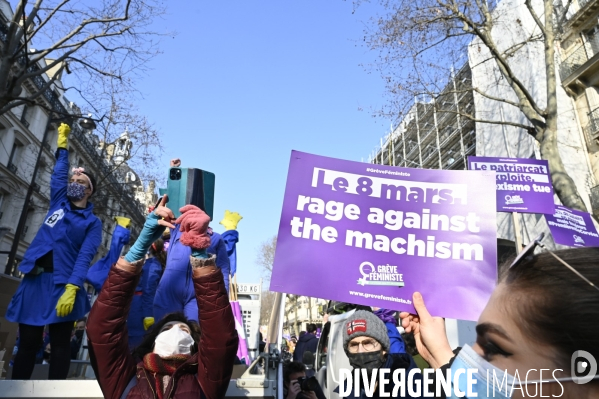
(307, 342)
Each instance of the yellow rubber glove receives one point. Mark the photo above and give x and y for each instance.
(63, 135)
(231, 219)
(148, 322)
(64, 307)
(122, 221)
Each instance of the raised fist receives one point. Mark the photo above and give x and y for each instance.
(122, 221)
(63, 135)
(231, 220)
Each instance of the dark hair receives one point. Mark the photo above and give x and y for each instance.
(157, 251)
(410, 343)
(311, 328)
(83, 319)
(147, 344)
(557, 307)
(93, 180)
(292, 367)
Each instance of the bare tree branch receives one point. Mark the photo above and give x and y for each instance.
(266, 255)
(419, 44)
(534, 15)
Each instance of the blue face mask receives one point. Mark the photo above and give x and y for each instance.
(491, 382)
(498, 381)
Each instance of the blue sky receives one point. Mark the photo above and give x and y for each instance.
(245, 82)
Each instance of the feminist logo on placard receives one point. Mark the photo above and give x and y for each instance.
(523, 185)
(573, 228)
(381, 275)
(375, 234)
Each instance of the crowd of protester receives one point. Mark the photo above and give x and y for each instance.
(162, 325)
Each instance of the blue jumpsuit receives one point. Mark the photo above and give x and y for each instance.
(231, 238)
(175, 291)
(98, 273)
(143, 300)
(73, 236)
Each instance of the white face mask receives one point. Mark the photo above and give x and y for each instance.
(173, 342)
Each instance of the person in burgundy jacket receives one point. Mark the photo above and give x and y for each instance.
(174, 360)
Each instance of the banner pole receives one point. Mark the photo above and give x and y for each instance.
(517, 231)
(236, 293)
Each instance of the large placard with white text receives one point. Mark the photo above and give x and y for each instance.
(374, 234)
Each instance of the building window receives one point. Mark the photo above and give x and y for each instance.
(15, 154)
(25, 115)
(3, 199)
(28, 222)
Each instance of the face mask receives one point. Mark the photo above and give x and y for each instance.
(499, 382)
(366, 360)
(173, 342)
(499, 386)
(76, 191)
(79, 334)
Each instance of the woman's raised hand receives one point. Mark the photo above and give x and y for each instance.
(166, 216)
(429, 333)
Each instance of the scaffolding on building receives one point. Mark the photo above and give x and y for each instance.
(434, 134)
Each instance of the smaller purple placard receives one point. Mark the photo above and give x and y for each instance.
(573, 228)
(523, 184)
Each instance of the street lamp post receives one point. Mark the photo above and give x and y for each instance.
(86, 123)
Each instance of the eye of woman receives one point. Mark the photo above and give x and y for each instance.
(490, 348)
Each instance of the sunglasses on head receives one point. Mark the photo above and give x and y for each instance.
(529, 250)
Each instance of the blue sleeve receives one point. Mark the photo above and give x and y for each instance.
(60, 178)
(89, 248)
(222, 261)
(98, 273)
(396, 342)
(231, 238)
(149, 291)
(120, 238)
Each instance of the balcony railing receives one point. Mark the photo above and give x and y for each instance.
(591, 130)
(582, 54)
(12, 167)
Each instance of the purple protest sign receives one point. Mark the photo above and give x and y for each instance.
(523, 185)
(374, 235)
(572, 227)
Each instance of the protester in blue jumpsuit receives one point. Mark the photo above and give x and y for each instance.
(175, 291)
(142, 306)
(55, 266)
(396, 344)
(98, 273)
